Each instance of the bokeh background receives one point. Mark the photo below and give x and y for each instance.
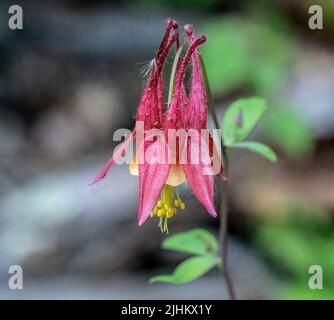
(72, 76)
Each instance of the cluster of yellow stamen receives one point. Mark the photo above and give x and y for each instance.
(167, 206)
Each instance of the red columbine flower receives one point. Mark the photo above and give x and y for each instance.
(184, 116)
(158, 177)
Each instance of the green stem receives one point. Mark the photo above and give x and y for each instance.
(172, 77)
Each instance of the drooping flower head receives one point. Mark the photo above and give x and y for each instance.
(177, 173)
(158, 179)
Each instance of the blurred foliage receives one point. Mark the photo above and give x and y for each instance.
(242, 52)
(287, 129)
(255, 54)
(294, 241)
(190, 4)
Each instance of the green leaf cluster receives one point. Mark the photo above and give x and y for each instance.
(198, 242)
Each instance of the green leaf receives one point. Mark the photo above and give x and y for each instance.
(257, 147)
(189, 270)
(196, 241)
(240, 119)
(172, 75)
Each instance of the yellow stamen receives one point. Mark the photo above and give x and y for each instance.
(167, 206)
(169, 200)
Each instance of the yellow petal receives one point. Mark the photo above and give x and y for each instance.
(133, 166)
(176, 176)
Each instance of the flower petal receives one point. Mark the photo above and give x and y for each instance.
(117, 154)
(176, 176)
(152, 178)
(198, 105)
(198, 175)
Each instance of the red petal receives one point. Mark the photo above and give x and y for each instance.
(201, 184)
(120, 152)
(152, 178)
(197, 107)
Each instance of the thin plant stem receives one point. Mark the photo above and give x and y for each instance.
(223, 216)
(223, 195)
(223, 229)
